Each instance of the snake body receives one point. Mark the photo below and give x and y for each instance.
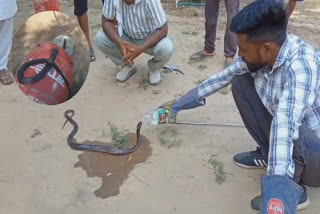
(96, 148)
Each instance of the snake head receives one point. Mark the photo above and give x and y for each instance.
(68, 115)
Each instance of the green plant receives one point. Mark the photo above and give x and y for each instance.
(119, 138)
(202, 67)
(172, 131)
(144, 83)
(190, 33)
(197, 60)
(168, 137)
(218, 169)
(170, 143)
(155, 92)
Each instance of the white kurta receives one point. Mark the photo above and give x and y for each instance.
(8, 9)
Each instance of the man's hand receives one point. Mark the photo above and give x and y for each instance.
(124, 52)
(188, 101)
(173, 111)
(132, 51)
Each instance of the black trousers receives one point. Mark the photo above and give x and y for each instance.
(257, 119)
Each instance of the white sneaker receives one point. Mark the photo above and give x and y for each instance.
(126, 72)
(154, 77)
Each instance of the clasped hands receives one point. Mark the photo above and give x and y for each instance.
(130, 51)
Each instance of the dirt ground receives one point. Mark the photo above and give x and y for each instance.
(39, 173)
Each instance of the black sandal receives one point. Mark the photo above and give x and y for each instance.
(92, 56)
(199, 55)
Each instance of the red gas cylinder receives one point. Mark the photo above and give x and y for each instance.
(45, 75)
(46, 5)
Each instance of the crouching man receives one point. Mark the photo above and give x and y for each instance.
(276, 87)
(133, 27)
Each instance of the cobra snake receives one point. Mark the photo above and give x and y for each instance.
(96, 148)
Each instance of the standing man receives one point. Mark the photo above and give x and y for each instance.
(276, 87)
(81, 11)
(7, 10)
(141, 28)
(230, 40)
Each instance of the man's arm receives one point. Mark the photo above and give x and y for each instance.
(156, 14)
(196, 97)
(299, 94)
(150, 42)
(219, 80)
(108, 22)
(292, 5)
(155, 37)
(108, 27)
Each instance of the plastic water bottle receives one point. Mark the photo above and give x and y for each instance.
(156, 117)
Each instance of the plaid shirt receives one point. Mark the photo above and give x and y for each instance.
(290, 92)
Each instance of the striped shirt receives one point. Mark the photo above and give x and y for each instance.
(290, 91)
(140, 19)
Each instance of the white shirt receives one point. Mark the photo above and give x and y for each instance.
(139, 19)
(8, 9)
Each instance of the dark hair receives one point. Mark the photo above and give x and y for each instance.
(264, 20)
